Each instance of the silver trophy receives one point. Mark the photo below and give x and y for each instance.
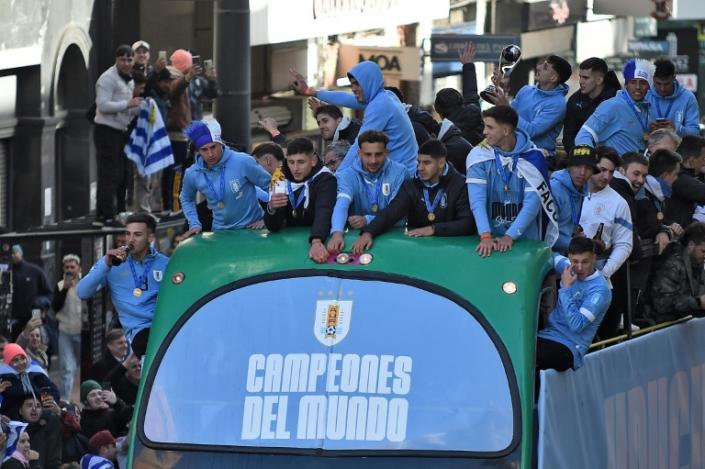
(508, 58)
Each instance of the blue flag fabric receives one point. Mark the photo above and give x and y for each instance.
(149, 146)
(13, 437)
(91, 461)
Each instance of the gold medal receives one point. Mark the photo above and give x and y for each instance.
(646, 136)
(374, 208)
(137, 292)
(431, 216)
(659, 216)
(221, 204)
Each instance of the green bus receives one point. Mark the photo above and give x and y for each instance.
(420, 356)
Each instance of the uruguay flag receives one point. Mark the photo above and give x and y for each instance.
(149, 147)
(13, 437)
(91, 461)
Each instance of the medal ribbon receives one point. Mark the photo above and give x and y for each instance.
(503, 173)
(296, 201)
(373, 197)
(668, 109)
(140, 281)
(219, 197)
(431, 207)
(632, 105)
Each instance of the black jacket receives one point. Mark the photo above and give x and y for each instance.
(425, 126)
(673, 289)
(453, 216)
(114, 418)
(647, 223)
(349, 133)
(469, 117)
(688, 191)
(15, 393)
(100, 370)
(45, 436)
(13, 463)
(457, 147)
(30, 289)
(123, 388)
(580, 107)
(323, 191)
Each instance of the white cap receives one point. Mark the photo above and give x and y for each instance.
(139, 44)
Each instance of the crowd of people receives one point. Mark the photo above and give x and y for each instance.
(620, 200)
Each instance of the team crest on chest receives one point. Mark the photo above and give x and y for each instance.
(386, 188)
(158, 275)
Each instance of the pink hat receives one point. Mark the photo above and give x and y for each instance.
(181, 60)
(11, 351)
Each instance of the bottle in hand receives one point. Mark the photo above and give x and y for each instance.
(117, 260)
(599, 243)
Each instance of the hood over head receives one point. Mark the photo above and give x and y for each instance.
(369, 76)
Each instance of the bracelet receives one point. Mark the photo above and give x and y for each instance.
(486, 236)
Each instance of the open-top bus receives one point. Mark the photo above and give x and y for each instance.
(421, 356)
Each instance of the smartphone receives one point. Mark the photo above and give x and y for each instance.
(69, 275)
(196, 59)
(36, 313)
(661, 119)
(162, 54)
(207, 66)
(45, 391)
(280, 187)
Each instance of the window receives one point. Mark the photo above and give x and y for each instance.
(332, 363)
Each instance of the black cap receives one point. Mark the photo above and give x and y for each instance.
(582, 154)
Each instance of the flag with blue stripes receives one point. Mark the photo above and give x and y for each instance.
(149, 146)
(91, 461)
(13, 437)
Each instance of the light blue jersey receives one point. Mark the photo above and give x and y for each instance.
(359, 191)
(135, 311)
(383, 112)
(619, 123)
(580, 309)
(229, 187)
(681, 108)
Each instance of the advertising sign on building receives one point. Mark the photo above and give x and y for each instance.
(647, 47)
(445, 47)
(397, 63)
(275, 21)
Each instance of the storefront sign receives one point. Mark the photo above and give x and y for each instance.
(275, 21)
(445, 47)
(647, 47)
(397, 63)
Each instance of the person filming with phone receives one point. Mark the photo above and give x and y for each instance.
(134, 274)
(69, 310)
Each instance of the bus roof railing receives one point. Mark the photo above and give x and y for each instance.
(645, 330)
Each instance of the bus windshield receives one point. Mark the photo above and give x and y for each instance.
(332, 363)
